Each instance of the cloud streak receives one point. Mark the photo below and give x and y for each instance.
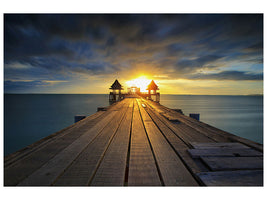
(229, 75)
(162, 45)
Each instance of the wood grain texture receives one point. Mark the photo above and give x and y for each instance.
(185, 132)
(213, 131)
(137, 142)
(142, 166)
(228, 145)
(24, 165)
(111, 171)
(12, 158)
(83, 167)
(54, 167)
(232, 178)
(166, 158)
(244, 152)
(232, 163)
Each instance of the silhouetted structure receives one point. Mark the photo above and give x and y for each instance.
(152, 91)
(133, 90)
(116, 88)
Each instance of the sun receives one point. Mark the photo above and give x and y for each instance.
(141, 82)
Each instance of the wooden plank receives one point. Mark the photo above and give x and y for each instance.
(191, 134)
(25, 165)
(185, 132)
(195, 124)
(233, 163)
(244, 152)
(232, 178)
(225, 136)
(228, 136)
(232, 145)
(142, 166)
(54, 167)
(86, 123)
(170, 118)
(94, 151)
(247, 142)
(176, 141)
(172, 169)
(16, 156)
(197, 153)
(82, 169)
(111, 171)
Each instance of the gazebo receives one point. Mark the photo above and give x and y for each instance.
(152, 91)
(115, 94)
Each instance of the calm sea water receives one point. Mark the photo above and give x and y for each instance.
(239, 115)
(30, 117)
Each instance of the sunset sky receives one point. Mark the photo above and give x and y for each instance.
(214, 54)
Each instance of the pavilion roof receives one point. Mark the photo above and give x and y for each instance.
(116, 85)
(152, 86)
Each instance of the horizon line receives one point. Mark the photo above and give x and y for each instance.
(161, 94)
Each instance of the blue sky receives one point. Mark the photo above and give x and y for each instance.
(85, 53)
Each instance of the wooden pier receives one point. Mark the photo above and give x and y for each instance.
(136, 142)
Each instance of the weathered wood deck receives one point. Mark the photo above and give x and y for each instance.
(136, 142)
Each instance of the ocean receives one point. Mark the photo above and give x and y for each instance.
(30, 117)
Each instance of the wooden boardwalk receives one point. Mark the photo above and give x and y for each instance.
(136, 142)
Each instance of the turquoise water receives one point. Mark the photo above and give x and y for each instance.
(30, 117)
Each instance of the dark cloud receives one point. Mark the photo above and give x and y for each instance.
(23, 86)
(257, 46)
(118, 43)
(256, 49)
(197, 63)
(229, 75)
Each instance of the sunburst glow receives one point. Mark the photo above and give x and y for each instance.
(141, 82)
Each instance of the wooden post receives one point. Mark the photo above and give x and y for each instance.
(157, 97)
(78, 118)
(149, 94)
(194, 116)
(101, 109)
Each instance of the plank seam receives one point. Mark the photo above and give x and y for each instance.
(79, 154)
(128, 153)
(188, 123)
(50, 139)
(103, 155)
(185, 164)
(185, 120)
(186, 143)
(21, 180)
(157, 166)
